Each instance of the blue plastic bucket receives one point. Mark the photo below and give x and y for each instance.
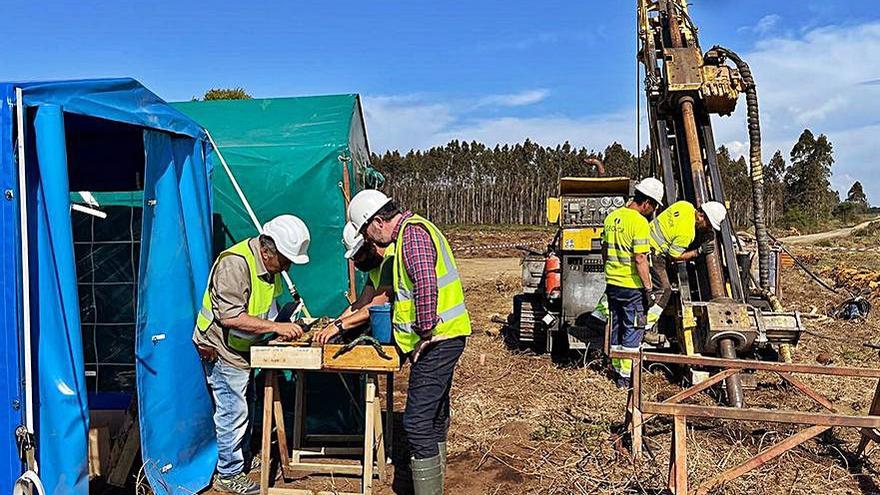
(380, 322)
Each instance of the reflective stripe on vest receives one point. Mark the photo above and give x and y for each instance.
(454, 320)
(262, 297)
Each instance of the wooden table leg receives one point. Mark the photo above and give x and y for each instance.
(369, 420)
(280, 430)
(299, 416)
(379, 440)
(268, 398)
(389, 417)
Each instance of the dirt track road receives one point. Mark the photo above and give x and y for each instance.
(821, 236)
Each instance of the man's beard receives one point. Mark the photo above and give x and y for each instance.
(369, 262)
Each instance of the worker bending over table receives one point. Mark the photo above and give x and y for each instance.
(377, 263)
(238, 309)
(430, 323)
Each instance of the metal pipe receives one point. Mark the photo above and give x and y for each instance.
(734, 388)
(713, 263)
(701, 194)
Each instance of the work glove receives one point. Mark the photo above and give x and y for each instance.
(601, 311)
(706, 248)
(653, 316)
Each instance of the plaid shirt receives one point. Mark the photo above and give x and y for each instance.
(420, 260)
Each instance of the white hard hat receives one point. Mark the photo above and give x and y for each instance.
(352, 239)
(291, 237)
(651, 188)
(364, 205)
(715, 212)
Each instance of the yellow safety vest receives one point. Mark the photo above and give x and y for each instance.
(674, 229)
(375, 275)
(262, 296)
(453, 315)
(625, 234)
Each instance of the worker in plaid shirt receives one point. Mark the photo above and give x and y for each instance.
(430, 322)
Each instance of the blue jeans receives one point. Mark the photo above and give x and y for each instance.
(627, 310)
(233, 392)
(426, 417)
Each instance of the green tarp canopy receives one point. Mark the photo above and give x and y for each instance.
(290, 155)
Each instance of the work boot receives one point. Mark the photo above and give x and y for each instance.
(426, 476)
(441, 446)
(238, 484)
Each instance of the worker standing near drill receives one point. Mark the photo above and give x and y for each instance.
(237, 312)
(672, 233)
(377, 263)
(430, 322)
(627, 273)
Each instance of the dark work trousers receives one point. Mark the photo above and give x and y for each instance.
(660, 280)
(627, 309)
(426, 417)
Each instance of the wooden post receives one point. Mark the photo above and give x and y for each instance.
(369, 419)
(299, 416)
(280, 430)
(867, 432)
(636, 401)
(379, 439)
(389, 416)
(346, 194)
(679, 442)
(268, 407)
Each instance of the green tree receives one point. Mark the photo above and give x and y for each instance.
(808, 189)
(856, 195)
(737, 187)
(226, 94)
(619, 162)
(774, 189)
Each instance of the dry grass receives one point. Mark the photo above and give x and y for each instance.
(525, 425)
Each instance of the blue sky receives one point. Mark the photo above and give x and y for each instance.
(496, 71)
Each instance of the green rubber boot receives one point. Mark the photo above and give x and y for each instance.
(427, 476)
(442, 447)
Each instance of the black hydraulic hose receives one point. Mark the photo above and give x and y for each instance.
(756, 166)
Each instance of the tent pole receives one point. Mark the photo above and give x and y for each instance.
(29, 481)
(25, 266)
(247, 206)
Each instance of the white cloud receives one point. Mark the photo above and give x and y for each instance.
(824, 81)
(764, 25)
(528, 97)
(404, 124)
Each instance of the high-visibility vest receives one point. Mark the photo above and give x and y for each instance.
(625, 234)
(454, 320)
(262, 297)
(674, 229)
(375, 275)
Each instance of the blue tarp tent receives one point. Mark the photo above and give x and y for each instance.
(102, 135)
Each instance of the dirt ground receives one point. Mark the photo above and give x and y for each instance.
(523, 424)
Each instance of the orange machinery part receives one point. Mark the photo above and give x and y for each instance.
(552, 276)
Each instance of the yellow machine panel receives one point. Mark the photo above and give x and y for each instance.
(585, 239)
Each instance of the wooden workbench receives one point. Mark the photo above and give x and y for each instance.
(300, 358)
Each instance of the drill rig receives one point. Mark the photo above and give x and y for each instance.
(717, 310)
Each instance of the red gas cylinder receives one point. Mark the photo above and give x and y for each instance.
(552, 276)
